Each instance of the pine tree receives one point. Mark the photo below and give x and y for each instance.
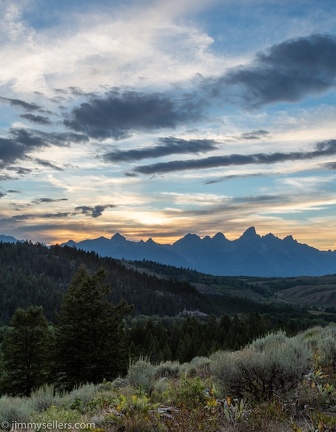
(91, 341)
(26, 347)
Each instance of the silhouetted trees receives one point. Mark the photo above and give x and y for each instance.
(91, 342)
(26, 352)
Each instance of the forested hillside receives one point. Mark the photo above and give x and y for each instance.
(33, 274)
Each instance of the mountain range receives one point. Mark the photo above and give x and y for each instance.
(249, 255)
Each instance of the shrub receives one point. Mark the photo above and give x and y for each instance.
(168, 369)
(142, 375)
(15, 409)
(134, 414)
(119, 383)
(190, 393)
(327, 351)
(272, 339)
(83, 393)
(161, 386)
(266, 367)
(199, 366)
(58, 414)
(44, 397)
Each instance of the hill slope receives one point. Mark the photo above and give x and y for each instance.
(37, 275)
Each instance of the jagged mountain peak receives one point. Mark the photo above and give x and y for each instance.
(250, 234)
(187, 240)
(192, 236)
(219, 236)
(118, 237)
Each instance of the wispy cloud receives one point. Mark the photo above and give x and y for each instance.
(36, 119)
(48, 200)
(254, 135)
(47, 164)
(167, 146)
(27, 106)
(326, 148)
(232, 176)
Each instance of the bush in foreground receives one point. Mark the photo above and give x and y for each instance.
(268, 366)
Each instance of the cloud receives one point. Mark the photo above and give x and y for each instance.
(22, 141)
(2, 194)
(230, 177)
(119, 114)
(331, 165)
(48, 200)
(95, 211)
(325, 148)
(28, 216)
(18, 144)
(36, 119)
(20, 170)
(287, 72)
(48, 164)
(21, 104)
(254, 135)
(167, 146)
(5, 177)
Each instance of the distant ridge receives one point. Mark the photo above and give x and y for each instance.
(7, 239)
(249, 255)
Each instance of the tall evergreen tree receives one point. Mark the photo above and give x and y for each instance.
(91, 341)
(26, 347)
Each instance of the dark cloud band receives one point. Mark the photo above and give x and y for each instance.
(36, 119)
(326, 148)
(167, 146)
(21, 104)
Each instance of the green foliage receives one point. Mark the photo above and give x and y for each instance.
(190, 393)
(234, 411)
(44, 397)
(91, 341)
(142, 375)
(267, 367)
(81, 395)
(15, 409)
(168, 369)
(199, 366)
(119, 383)
(135, 413)
(26, 352)
(58, 414)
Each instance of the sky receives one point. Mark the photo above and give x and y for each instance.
(162, 118)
